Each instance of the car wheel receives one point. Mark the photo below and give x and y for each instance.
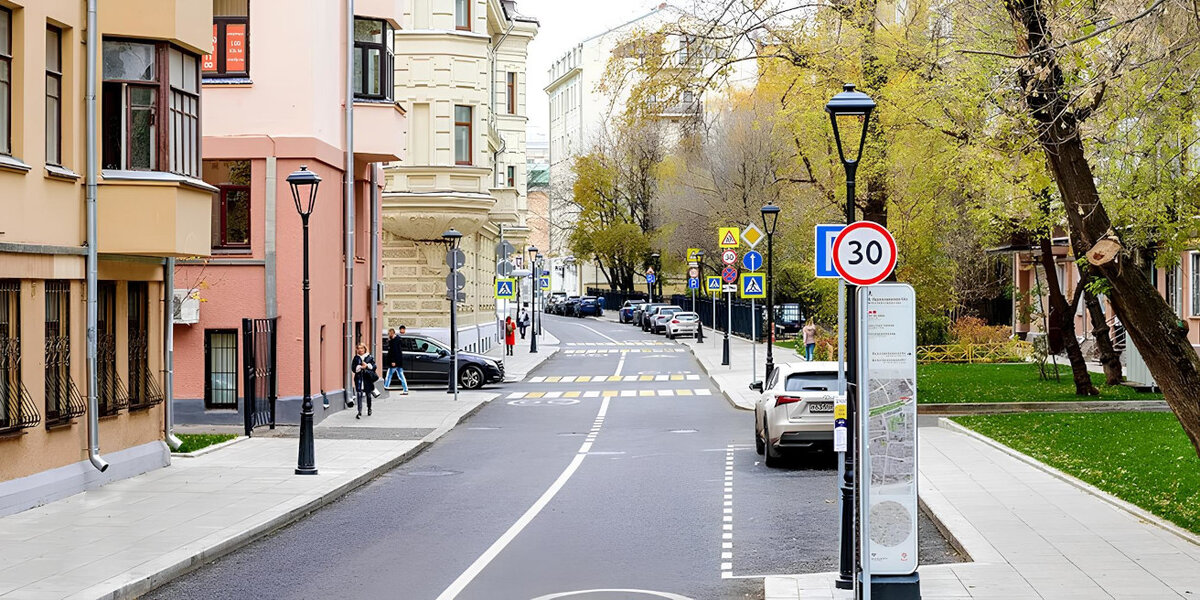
(772, 456)
(759, 446)
(670, 336)
(471, 378)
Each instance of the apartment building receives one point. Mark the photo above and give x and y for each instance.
(460, 72)
(275, 102)
(151, 204)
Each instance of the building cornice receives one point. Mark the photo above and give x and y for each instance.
(562, 79)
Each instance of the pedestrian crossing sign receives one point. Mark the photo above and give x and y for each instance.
(506, 289)
(753, 285)
(727, 237)
(544, 283)
(712, 285)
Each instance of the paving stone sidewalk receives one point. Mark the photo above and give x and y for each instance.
(1031, 532)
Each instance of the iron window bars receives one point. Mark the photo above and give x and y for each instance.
(63, 401)
(17, 410)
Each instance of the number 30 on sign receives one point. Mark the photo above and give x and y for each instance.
(864, 253)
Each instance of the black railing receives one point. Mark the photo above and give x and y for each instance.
(743, 317)
(17, 410)
(143, 386)
(63, 401)
(259, 343)
(112, 396)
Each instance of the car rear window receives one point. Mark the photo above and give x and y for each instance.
(686, 316)
(811, 382)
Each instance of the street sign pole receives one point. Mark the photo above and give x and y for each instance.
(728, 326)
(753, 342)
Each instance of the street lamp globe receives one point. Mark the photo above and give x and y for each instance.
(849, 111)
(770, 216)
(304, 189)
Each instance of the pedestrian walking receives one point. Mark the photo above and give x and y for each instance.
(510, 336)
(523, 321)
(395, 360)
(810, 339)
(365, 376)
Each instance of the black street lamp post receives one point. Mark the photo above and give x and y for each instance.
(657, 276)
(304, 185)
(535, 276)
(452, 238)
(850, 109)
(770, 216)
(699, 321)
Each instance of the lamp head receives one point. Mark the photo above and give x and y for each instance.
(849, 112)
(533, 253)
(304, 189)
(770, 216)
(452, 237)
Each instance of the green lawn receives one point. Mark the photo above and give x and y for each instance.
(1142, 458)
(950, 383)
(195, 441)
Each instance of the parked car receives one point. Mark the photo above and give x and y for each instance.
(569, 305)
(639, 313)
(589, 306)
(795, 409)
(648, 316)
(683, 323)
(427, 360)
(625, 315)
(659, 323)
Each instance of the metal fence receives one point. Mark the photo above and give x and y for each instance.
(742, 315)
(614, 299)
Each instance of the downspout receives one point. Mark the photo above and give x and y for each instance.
(169, 354)
(375, 328)
(93, 46)
(348, 202)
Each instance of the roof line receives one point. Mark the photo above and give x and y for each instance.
(664, 6)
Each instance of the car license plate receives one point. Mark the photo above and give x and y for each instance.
(820, 407)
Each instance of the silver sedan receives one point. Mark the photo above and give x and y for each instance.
(795, 409)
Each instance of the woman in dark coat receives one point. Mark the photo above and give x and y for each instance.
(365, 374)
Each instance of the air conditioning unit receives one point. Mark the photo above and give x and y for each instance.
(187, 307)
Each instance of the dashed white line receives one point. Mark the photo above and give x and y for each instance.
(727, 517)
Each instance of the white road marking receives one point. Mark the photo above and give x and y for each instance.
(599, 334)
(727, 517)
(473, 571)
(620, 364)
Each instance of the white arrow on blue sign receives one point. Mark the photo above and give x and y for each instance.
(752, 261)
(826, 234)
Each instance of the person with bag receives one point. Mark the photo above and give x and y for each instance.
(365, 376)
(523, 321)
(510, 336)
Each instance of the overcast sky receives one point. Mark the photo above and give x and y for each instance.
(565, 23)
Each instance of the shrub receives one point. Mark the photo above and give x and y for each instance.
(973, 330)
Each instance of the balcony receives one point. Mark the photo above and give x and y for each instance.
(505, 210)
(185, 22)
(380, 131)
(154, 214)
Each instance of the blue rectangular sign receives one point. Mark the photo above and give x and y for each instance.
(823, 261)
(693, 283)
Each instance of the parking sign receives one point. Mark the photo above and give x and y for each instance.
(826, 234)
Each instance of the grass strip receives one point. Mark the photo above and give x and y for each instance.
(195, 441)
(939, 383)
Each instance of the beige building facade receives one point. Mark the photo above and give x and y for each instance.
(152, 204)
(460, 72)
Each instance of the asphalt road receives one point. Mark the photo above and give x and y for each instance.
(562, 486)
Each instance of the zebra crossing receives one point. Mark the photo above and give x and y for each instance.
(612, 378)
(601, 351)
(671, 392)
(620, 344)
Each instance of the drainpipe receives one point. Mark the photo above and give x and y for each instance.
(169, 354)
(376, 329)
(348, 201)
(93, 46)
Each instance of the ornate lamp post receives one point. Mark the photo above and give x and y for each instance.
(770, 217)
(304, 185)
(452, 238)
(849, 110)
(535, 275)
(700, 323)
(654, 263)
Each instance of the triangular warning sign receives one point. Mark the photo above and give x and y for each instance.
(729, 239)
(753, 286)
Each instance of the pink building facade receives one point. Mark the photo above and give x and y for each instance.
(275, 93)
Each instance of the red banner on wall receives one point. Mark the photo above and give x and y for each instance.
(235, 48)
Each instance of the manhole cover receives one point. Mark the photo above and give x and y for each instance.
(683, 431)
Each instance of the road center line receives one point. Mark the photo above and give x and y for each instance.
(498, 546)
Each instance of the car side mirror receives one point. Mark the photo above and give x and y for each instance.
(442, 353)
(757, 386)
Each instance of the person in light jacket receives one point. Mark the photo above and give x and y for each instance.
(365, 374)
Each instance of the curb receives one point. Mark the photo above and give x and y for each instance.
(208, 449)
(714, 383)
(1001, 408)
(1110, 499)
(150, 582)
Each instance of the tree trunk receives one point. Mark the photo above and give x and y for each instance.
(1109, 357)
(1060, 309)
(1151, 325)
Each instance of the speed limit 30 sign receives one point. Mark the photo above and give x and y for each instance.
(864, 253)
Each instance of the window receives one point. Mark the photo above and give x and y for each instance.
(231, 41)
(16, 408)
(1173, 281)
(510, 91)
(1194, 277)
(462, 15)
(811, 382)
(151, 108)
(53, 96)
(63, 401)
(462, 135)
(112, 396)
(685, 48)
(231, 203)
(5, 81)
(220, 368)
(372, 59)
(512, 176)
(143, 389)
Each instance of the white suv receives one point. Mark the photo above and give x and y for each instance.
(795, 409)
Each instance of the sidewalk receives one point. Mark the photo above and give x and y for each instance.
(1031, 532)
(128, 537)
(518, 366)
(734, 380)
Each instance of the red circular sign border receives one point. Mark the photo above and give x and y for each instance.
(865, 225)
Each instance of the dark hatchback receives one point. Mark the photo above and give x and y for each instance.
(589, 306)
(428, 361)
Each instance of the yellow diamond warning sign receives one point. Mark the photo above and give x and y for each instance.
(727, 237)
